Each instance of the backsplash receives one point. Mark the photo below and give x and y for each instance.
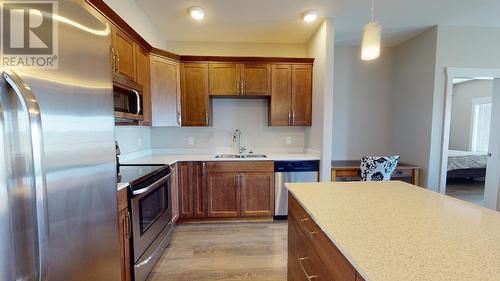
(248, 115)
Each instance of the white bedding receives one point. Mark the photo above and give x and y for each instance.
(458, 159)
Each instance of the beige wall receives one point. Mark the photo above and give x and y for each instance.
(413, 100)
(237, 49)
(319, 135)
(362, 104)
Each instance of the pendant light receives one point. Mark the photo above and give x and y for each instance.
(370, 46)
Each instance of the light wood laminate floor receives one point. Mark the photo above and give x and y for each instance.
(226, 251)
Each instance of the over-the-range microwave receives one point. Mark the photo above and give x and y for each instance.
(128, 102)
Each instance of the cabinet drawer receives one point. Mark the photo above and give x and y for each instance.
(347, 173)
(303, 261)
(240, 167)
(334, 260)
(402, 173)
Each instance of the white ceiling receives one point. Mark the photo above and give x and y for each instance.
(278, 21)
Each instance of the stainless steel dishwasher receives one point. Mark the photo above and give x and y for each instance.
(290, 172)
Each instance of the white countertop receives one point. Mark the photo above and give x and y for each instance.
(396, 231)
(121, 185)
(169, 159)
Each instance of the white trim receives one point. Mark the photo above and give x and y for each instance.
(452, 73)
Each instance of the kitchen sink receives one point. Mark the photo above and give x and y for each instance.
(222, 156)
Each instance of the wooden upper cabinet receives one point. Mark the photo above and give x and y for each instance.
(123, 52)
(255, 79)
(233, 79)
(194, 94)
(165, 91)
(257, 194)
(143, 77)
(301, 95)
(224, 79)
(291, 97)
(279, 108)
(223, 194)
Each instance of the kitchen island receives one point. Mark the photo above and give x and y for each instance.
(379, 231)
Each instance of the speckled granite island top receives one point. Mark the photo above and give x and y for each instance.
(393, 231)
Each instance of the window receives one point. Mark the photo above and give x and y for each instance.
(481, 119)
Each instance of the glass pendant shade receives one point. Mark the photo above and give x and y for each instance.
(370, 46)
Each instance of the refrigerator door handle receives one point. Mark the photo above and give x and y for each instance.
(30, 105)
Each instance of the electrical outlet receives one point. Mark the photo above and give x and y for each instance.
(139, 142)
(288, 140)
(190, 140)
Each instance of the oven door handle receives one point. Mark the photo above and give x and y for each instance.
(151, 186)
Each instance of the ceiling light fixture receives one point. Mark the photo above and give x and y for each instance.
(370, 46)
(197, 13)
(310, 16)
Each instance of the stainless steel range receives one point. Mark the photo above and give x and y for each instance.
(150, 204)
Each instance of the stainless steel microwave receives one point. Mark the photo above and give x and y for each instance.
(128, 102)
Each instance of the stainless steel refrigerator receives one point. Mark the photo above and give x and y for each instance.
(58, 213)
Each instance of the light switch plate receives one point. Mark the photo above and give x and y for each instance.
(139, 142)
(289, 140)
(190, 140)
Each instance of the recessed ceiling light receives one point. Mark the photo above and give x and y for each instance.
(197, 13)
(310, 16)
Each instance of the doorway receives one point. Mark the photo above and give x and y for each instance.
(470, 162)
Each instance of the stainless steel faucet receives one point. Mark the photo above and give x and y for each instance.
(237, 139)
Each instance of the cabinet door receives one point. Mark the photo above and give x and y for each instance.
(223, 195)
(279, 109)
(199, 187)
(194, 94)
(224, 79)
(124, 233)
(165, 92)
(186, 193)
(257, 194)
(123, 48)
(301, 95)
(256, 79)
(143, 77)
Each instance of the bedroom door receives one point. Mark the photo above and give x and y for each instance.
(492, 181)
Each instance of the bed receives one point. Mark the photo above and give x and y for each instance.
(466, 164)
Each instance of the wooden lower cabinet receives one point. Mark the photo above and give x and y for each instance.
(257, 194)
(223, 194)
(226, 189)
(311, 254)
(191, 188)
(124, 230)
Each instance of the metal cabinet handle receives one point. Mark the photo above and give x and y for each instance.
(138, 102)
(128, 225)
(289, 118)
(293, 118)
(179, 118)
(204, 168)
(239, 180)
(309, 277)
(117, 62)
(238, 87)
(310, 233)
(242, 87)
(113, 59)
(30, 104)
(206, 117)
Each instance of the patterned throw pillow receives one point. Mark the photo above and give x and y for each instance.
(378, 168)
